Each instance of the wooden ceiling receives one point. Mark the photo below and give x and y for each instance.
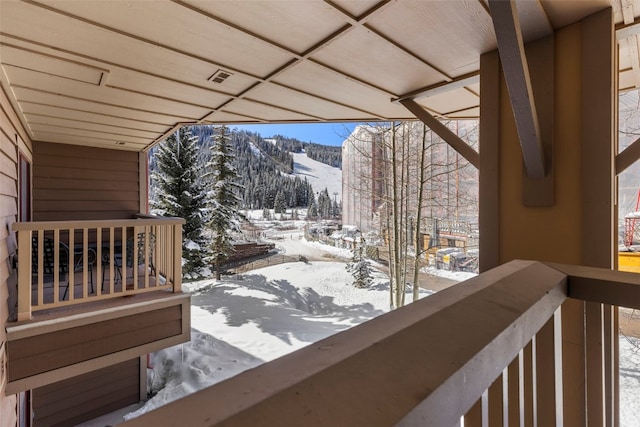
(123, 73)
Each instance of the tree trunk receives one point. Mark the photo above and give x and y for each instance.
(418, 251)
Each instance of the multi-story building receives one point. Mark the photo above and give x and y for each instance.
(362, 178)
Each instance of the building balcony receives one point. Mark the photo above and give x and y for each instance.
(503, 348)
(94, 293)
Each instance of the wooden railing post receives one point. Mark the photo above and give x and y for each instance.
(24, 275)
(177, 258)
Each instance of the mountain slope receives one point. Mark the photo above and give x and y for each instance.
(319, 175)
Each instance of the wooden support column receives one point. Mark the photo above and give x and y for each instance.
(489, 171)
(599, 99)
(577, 227)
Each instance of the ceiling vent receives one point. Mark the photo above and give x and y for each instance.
(220, 76)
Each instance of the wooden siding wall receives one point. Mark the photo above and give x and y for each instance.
(82, 398)
(74, 182)
(12, 138)
(41, 353)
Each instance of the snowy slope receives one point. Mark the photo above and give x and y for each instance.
(318, 174)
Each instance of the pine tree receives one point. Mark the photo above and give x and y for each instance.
(359, 266)
(179, 193)
(279, 204)
(223, 178)
(324, 204)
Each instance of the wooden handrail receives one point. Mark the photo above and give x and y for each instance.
(402, 368)
(50, 225)
(426, 364)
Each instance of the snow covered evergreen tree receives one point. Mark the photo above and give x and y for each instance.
(179, 193)
(223, 179)
(324, 204)
(279, 204)
(359, 266)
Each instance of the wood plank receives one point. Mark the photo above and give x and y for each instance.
(109, 374)
(8, 206)
(599, 101)
(85, 206)
(548, 370)
(91, 390)
(8, 166)
(83, 216)
(594, 323)
(516, 73)
(65, 338)
(86, 116)
(50, 149)
(87, 396)
(85, 195)
(628, 157)
(540, 192)
(9, 112)
(79, 162)
(77, 173)
(8, 147)
(37, 364)
(489, 171)
(85, 184)
(612, 287)
(8, 186)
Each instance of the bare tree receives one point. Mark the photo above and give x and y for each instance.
(420, 177)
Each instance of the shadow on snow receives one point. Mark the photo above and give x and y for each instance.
(281, 309)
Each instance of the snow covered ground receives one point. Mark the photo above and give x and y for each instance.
(318, 174)
(243, 321)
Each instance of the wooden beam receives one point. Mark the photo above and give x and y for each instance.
(442, 87)
(516, 72)
(443, 132)
(624, 31)
(612, 287)
(628, 156)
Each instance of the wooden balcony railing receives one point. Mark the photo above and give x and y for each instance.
(490, 350)
(62, 263)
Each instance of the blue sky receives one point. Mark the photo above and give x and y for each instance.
(320, 133)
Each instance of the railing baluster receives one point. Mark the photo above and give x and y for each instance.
(111, 258)
(546, 374)
(521, 380)
(85, 262)
(177, 258)
(529, 384)
(40, 286)
(147, 256)
(123, 261)
(496, 407)
(511, 393)
(71, 282)
(99, 282)
(56, 265)
(594, 337)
